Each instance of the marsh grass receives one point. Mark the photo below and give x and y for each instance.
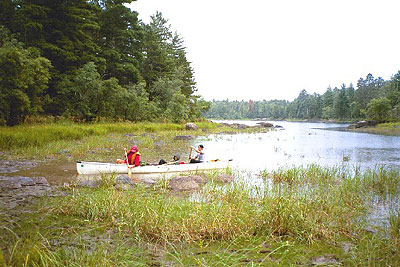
(37, 135)
(100, 142)
(394, 224)
(307, 212)
(390, 128)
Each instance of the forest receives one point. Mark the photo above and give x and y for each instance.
(373, 99)
(95, 60)
(86, 60)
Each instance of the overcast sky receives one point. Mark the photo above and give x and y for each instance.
(262, 49)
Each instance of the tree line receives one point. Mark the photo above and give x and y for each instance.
(92, 59)
(374, 98)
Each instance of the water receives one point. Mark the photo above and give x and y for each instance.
(303, 144)
(295, 144)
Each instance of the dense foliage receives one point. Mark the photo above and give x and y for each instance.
(95, 59)
(89, 59)
(374, 99)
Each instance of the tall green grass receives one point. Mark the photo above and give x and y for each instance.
(300, 213)
(38, 135)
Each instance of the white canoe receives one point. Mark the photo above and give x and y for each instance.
(93, 168)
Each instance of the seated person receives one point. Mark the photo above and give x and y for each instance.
(199, 156)
(133, 157)
(177, 158)
(175, 161)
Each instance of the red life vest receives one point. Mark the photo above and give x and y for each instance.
(133, 156)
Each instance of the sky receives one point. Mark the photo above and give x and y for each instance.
(273, 49)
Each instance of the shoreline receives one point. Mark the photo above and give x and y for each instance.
(153, 225)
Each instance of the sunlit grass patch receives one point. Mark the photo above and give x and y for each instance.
(320, 212)
(100, 141)
(391, 128)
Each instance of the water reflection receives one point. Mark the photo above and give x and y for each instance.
(302, 144)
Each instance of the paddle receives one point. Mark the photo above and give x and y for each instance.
(127, 163)
(190, 154)
(135, 180)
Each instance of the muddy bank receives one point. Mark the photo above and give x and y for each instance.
(56, 172)
(22, 183)
(12, 166)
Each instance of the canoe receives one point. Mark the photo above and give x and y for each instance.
(93, 168)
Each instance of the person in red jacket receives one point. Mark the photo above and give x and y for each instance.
(133, 157)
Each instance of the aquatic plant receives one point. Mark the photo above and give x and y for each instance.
(307, 211)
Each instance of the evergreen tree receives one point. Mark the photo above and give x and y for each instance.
(24, 76)
(340, 104)
(120, 41)
(368, 89)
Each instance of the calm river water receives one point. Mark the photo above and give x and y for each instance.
(293, 145)
(299, 143)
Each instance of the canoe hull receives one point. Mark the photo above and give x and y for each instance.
(96, 168)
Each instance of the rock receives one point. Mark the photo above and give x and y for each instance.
(159, 143)
(89, 183)
(191, 126)
(183, 137)
(148, 134)
(224, 178)
(265, 124)
(278, 126)
(7, 166)
(147, 181)
(124, 187)
(362, 124)
(25, 181)
(123, 183)
(197, 178)
(326, 260)
(9, 184)
(183, 184)
(240, 126)
(41, 181)
(123, 179)
(36, 191)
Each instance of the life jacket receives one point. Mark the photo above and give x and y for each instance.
(133, 156)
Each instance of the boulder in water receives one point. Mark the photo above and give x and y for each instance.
(191, 126)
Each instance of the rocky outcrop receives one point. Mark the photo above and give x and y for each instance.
(224, 178)
(183, 137)
(265, 124)
(179, 184)
(363, 124)
(185, 183)
(123, 182)
(194, 182)
(191, 126)
(9, 166)
(15, 182)
(240, 126)
(20, 190)
(89, 183)
(326, 260)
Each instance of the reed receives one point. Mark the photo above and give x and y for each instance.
(37, 135)
(101, 141)
(391, 128)
(306, 212)
(394, 225)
